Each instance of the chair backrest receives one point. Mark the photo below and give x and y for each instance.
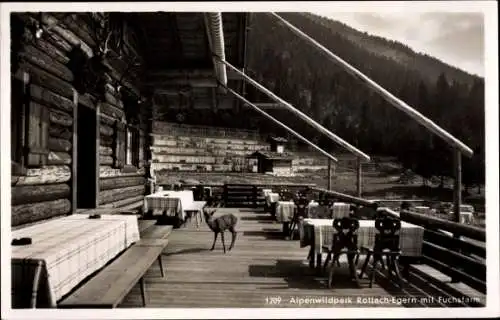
(388, 234)
(285, 195)
(198, 193)
(301, 202)
(346, 233)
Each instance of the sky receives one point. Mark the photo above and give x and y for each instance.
(456, 38)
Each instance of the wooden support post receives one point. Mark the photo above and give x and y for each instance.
(74, 162)
(457, 201)
(358, 177)
(97, 158)
(329, 174)
(254, 196)
(458, 185)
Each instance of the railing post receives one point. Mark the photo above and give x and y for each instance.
(358, 177)
(457, 157)
(254, 195)
(329, 174)
(225, 195)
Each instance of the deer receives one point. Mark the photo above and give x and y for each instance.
(219, 225)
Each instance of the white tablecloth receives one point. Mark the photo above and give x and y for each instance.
(69, 249)
(321, 232)
(272, 197)
(173, 202)
(284, 211)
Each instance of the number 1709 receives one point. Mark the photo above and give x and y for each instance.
(273, 300)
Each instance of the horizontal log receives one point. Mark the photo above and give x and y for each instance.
(46, 80)
(195, 159)
(108, 171)
(112, 111)
(105, 160)
(105, 130)
(105, 151)
(120, 182)
(113, 195)
(32, 212)
(441, 224)
(44, 175)
(77, 27)
(124, 202)
(60, 132)
(66, 34)
(106, 141)
(106, 120)
(57, 158)
(50, 36)
(117, 76)
(54, 51)
(43, 60)
(51, 99)
(113, 100)
(59, 145)
(30, 194)
(60, 118)
(87, 100)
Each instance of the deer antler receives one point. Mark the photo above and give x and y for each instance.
(106, 42)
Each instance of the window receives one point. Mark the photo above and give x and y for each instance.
(127, 146)
(132, 147)
(29, 127)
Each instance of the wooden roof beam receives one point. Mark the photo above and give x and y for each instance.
(389, 97)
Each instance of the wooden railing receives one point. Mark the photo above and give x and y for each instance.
(454, 249)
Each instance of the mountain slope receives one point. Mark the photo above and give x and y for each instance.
(300, 74)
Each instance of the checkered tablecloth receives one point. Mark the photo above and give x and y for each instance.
(69, 249)
(285, 211)
(320, 232)
(172, 202)
(338, 210)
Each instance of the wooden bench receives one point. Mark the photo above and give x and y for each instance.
(110, 286)
(157, 232)
(196, 210)
(444, 283)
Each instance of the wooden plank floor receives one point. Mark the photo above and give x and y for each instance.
(263, 270)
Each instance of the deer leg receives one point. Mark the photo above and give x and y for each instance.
(215, 239)
(234, 234)
(222, 239)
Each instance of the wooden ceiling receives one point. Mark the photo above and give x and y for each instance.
(177, 55)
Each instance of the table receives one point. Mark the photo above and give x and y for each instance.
(319, 232)
(64, 251)
(170, 202)
(284, 211)
(271, 197)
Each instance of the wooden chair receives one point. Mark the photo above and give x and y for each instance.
(386, 245)
(345, 241)
(285, 195)
(299, 213)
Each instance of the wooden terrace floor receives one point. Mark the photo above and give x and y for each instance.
(263, 270)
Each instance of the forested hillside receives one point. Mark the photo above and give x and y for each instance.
(300, 74)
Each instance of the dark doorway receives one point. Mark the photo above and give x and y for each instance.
(86, 158)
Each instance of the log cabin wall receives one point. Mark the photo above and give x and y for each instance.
(45, 90)
(200, 148)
